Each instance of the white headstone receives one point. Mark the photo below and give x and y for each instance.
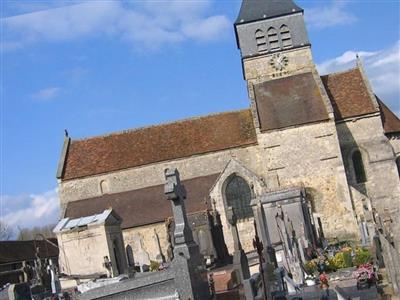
(141, 256)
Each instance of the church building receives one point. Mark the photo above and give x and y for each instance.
(330, 137)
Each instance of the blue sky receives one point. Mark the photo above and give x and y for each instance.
(95, 67)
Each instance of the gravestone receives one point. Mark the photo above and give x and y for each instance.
(240, 262)
(159, 256)
(19, 291)
(283, 218)
(188, 265)
(55, 282)
(184, 278)
(142, 258)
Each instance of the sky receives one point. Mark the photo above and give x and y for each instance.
(95, 67)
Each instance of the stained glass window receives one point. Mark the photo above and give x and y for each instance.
(238, 196)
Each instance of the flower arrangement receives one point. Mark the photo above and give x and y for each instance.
(343, 258)
(365, 272)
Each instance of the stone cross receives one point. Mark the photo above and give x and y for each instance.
(175, 192)
(188, 265)
(240, 262)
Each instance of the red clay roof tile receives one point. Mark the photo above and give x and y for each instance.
(148, 145)
(391, 123)
(348, 93)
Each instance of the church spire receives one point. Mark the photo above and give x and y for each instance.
(256, 10)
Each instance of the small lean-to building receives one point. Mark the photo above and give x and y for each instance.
(87, 244)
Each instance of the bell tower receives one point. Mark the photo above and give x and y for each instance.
(284, 86)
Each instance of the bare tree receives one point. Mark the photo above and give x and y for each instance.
(6, 231)
(30, 233)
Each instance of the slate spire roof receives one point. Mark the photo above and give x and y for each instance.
(256, 10)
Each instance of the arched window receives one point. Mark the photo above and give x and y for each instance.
(273, 39)
(398, 165)
(238, 196)
(358, 166)
(261, 41)
(286, 37)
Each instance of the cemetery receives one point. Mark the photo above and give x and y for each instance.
(292, 260)
(295, 197)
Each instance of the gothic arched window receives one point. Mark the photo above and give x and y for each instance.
(261, 41)
(398, 165)
(238, 196)
(358, 166)
(273, 39)
(286, 37)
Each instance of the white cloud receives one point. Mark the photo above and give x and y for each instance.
(207, 29)
(382, 68)
(26, 211)
(145, 24)
(330, 15)
(46, 94)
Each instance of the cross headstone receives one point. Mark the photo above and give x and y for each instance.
(240, 262)
(188, 265)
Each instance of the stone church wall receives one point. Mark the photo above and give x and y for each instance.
(395, 142)
(310, 156)
(148, 238)
(150, 175)
(382, 187)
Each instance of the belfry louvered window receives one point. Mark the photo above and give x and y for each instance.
(286, 37)
(358, 166)
(261, 41)
(238, 196)
(273, 39)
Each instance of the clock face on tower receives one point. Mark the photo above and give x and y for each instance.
(279, 62)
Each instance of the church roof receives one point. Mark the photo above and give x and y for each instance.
(289, 101)
(255, 10)
(98, 155)
(147, 205)
(153, 144)
(348, 93)
(391, 123)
